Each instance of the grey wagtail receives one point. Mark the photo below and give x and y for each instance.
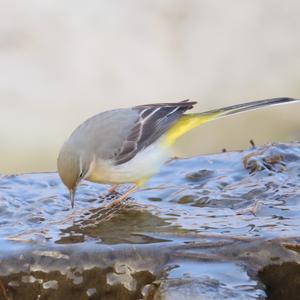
(129, 145)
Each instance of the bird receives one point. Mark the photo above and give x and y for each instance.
(129, 145)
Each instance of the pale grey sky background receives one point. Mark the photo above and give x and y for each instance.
(63, 61)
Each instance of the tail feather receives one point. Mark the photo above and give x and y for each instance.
(234, 109)
(189, 121)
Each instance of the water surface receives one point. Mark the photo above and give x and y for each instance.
(201, 229)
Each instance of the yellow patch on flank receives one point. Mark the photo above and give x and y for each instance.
(142, 181)
(185, 124)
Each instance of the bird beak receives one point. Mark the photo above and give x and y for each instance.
(72, 197)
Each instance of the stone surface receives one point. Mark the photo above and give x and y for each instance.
(209, 227)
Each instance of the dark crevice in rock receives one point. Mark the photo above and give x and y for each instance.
(281, 281)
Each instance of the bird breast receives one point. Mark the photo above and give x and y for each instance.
(145, 164)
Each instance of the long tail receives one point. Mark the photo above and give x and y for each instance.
(190, 121)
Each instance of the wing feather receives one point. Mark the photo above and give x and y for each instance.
(153, 121)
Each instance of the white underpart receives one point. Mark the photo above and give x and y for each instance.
(146, 163)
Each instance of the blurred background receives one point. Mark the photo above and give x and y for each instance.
(63, 61)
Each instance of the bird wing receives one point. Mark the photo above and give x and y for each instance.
(152, 122)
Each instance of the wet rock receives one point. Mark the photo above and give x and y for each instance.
(200, 289)
(204, 228)
(270, 157)
(282, 281)
(57, 286)
(85, 275)
(199, 175)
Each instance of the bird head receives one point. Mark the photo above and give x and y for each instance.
(71, 169)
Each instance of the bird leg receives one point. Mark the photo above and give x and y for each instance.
(113, 189)
(122, 197)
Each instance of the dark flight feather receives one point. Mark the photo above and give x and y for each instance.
(154, 120)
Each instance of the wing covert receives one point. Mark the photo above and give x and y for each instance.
(153, 121)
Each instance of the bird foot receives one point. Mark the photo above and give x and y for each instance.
(113, 189)
(123, 197)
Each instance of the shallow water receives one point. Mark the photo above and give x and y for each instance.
(201, 229)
